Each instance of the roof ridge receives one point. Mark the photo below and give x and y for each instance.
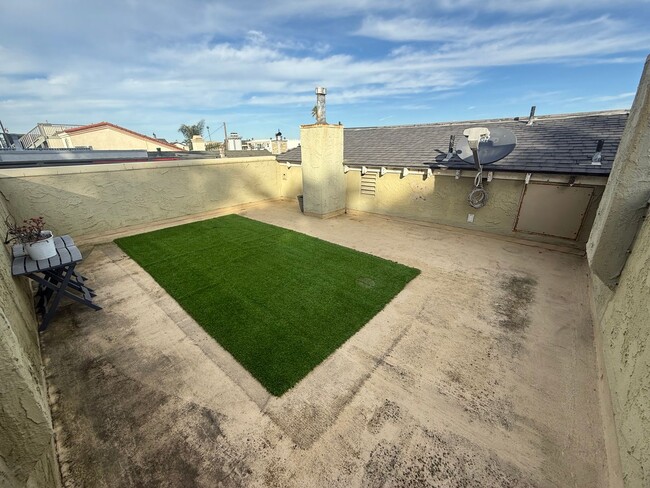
(503, 119)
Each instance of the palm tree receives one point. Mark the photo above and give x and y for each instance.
(314, 112)
(192, 130)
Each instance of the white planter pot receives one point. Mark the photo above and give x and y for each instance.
(42, 249)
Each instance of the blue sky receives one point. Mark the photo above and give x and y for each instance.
(151, 66)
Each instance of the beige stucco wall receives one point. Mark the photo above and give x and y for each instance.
(27, 457)
(290, 181)
(623, 321)
(56, 142)
(278, 147)
(322, 169)
(91, 199)
(626, 196)
(197, 143)
(618, 253)
(443, 199)
(110, 138)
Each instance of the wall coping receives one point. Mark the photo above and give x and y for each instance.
(108, 167)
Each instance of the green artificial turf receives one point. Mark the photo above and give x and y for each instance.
(279, 301)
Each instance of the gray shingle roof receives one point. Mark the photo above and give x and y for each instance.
(553, 144)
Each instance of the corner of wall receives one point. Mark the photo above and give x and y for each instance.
(599, 295)
(618, 253)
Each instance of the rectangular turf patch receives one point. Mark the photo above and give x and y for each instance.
(279, 301)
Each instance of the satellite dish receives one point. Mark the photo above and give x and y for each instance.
(500, 143)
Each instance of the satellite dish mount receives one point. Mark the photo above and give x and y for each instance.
(475, 136)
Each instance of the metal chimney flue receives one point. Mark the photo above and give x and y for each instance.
(320, 105)
(531, 117)
(451, 150)
(597, 158)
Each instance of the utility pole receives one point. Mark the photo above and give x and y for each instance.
(225, 134)
(225, 137)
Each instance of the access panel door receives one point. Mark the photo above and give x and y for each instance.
(553, 210)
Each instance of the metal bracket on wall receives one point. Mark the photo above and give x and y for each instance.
(490, 176)
(381, 171)
(457, 174)
(527, 180)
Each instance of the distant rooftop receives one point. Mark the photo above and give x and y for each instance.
(563, 143)
(101, 125)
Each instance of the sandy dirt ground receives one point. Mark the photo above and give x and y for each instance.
(481, 372)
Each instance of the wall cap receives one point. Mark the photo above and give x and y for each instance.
(108, 167)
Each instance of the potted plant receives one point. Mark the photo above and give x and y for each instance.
(38, 243)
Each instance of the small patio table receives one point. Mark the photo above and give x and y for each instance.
(56, 278)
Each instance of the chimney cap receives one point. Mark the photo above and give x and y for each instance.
(320, 90)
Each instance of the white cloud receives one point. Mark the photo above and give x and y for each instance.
(477, 7)
(471, 44)
(139, 63)
(613, 98)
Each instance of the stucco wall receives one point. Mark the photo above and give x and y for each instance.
(619, 259)
(90, 199)
(290, 181)
(27, 456)
(623, 320)
(625, 198)
(443, 199)
(322, 169)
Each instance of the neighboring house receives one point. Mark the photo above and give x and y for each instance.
(234, 142)
(181, 145)
(45, 135)
(549, 185)
(105, 135)
(277, 145)
(197, 143)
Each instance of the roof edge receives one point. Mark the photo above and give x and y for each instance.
(523, 119)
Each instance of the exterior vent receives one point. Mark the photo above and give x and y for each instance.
(369, 184)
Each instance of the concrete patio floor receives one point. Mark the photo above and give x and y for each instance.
(482, 372)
